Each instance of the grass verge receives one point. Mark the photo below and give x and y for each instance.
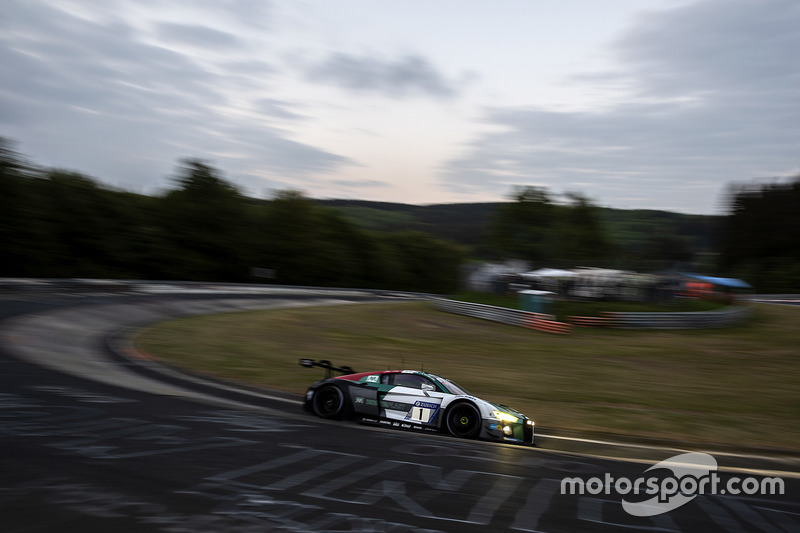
(734, 386)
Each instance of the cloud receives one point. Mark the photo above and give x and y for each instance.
(711, 97)
(406, 76)
(196, 35)
(277, 108)
(100, 97)
(702, 94)
(248, 13)
(715, 46)
(359, 184)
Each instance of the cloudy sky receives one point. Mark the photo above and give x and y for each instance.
(654, 104)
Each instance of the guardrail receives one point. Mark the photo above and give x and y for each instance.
(77, 285)
(504, 315)
(771, 297)
(719, 318)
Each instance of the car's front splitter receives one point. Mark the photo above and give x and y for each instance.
(517, 432)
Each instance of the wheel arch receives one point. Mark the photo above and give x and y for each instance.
(347, 409)
(455, 403)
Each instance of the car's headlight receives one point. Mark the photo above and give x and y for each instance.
(505, 417)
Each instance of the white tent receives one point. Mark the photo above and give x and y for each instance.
(548, 273)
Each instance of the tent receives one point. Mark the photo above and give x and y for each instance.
(548, 273)
(728, 283)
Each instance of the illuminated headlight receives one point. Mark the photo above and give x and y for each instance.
(505, 417)
(530, 423)
(508, 430)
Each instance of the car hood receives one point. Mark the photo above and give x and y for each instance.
(507, 409)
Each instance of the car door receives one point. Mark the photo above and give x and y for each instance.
(410, 397)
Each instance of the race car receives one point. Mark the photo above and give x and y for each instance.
(414, 400)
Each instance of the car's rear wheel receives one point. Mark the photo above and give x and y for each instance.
(464, 421)
(330, 402)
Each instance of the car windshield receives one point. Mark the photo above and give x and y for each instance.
(452, 386)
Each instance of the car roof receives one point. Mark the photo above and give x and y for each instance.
(360, 375)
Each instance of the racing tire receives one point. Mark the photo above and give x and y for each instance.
(463, 421)
(330, 402)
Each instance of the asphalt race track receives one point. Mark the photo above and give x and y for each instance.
(91, 442)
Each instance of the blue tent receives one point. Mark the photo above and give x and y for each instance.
(730, 283)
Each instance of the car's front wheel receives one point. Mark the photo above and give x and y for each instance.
(464, 421)
(330, 402)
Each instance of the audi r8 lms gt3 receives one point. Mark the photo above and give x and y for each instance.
(409, 399)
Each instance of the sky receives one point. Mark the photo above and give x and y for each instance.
(636, 104)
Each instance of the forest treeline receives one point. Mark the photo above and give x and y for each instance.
(58, 224)
(761, 238)
(640, 239)
(61, 224)
(554, 231)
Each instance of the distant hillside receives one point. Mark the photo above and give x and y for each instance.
(635, 232)
(463, 224)
(631, 227)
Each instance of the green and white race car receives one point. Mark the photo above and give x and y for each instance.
(408, 399)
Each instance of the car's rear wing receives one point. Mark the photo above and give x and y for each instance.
(310, 363)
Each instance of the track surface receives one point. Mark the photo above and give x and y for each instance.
(110, 446)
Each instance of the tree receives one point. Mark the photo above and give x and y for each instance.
(759, 236)
(524, 228)
(581, 238)
(58, 223)
(534, 228)
(285, 237)
(423, 263)
(84, 236)
(20, 224)
(205, 220)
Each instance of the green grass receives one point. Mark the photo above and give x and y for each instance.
(729, 386)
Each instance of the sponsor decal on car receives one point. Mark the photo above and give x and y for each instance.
(396, 424)
(424, 412)
(395, 406)
(360, 400)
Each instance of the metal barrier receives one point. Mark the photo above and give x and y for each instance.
(592, 321)
(75, 285)
(729, 316)
(720, 318)
(504, 315)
